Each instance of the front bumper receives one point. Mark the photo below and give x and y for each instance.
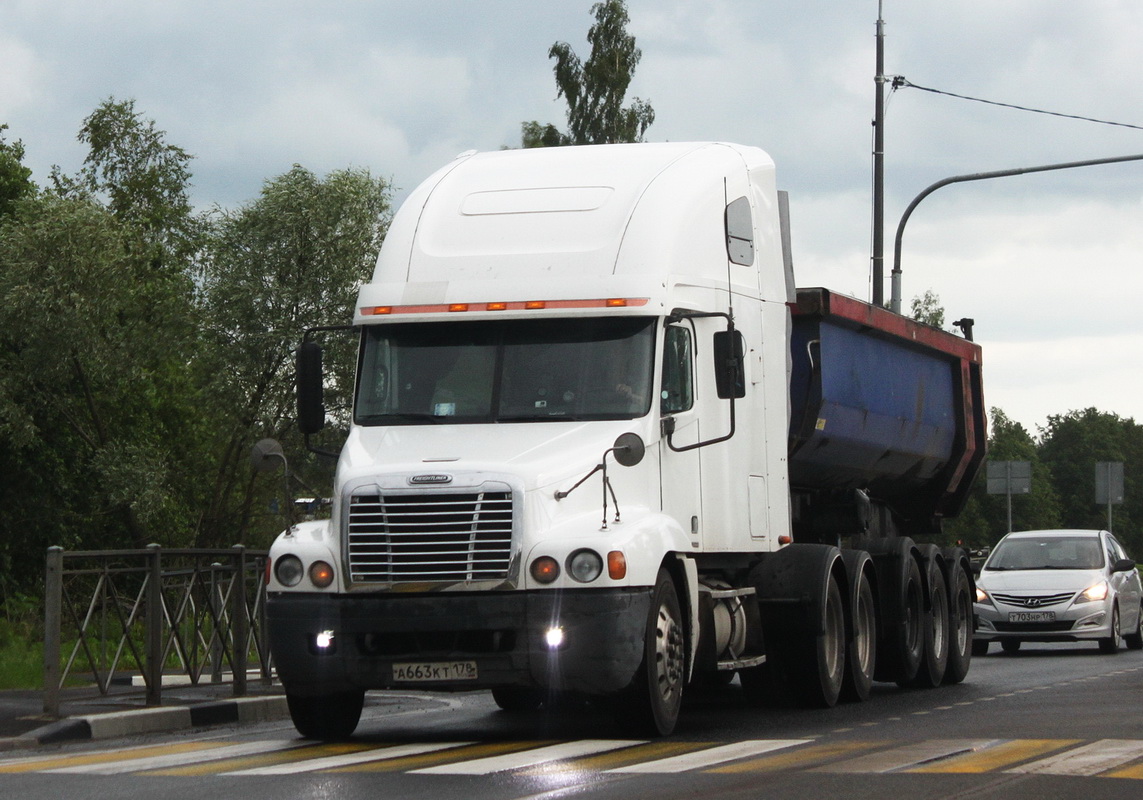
(501, 632)
(1084, 622)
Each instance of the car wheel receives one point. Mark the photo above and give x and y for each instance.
(1009, 645)
(980, 648)
(1134, 640)
(1110, 645)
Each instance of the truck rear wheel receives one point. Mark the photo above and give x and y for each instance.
(657, 691)
(901, 634)
(861, 647)
(961, 647)
(935, 655)
(328, 717)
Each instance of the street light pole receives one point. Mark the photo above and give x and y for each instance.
(895, 299)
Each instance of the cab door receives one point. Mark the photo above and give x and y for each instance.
(680, 478)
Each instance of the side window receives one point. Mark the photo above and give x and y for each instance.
(677, 393)
(739, 232)
(729, 365)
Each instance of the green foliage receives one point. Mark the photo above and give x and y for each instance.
(595, 89)
(927, 308)
(15, 178)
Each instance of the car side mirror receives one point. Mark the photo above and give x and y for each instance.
(976, 567)
(1123, 565)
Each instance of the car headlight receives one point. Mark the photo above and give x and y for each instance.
(983, 597)
(1097, 591)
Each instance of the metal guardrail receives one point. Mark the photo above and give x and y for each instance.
(157, 612)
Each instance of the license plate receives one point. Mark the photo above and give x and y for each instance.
(429, 671)
(1031, 616)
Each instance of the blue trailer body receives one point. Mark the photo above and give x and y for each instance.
(883, 404)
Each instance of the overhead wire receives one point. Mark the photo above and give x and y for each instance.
(900, 81)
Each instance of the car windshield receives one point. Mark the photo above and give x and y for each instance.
(505, 371)
(1055, 552)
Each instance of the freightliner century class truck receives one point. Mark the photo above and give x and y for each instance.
(601, 446)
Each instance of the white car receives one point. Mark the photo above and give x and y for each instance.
(1058, 586)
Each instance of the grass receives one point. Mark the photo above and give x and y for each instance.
(21, 645)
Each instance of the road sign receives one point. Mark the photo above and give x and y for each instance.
(1009, 477)
(1109, 483)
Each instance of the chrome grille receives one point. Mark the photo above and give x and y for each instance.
(430, 536)
(1033, 600)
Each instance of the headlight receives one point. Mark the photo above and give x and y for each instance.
(982, 596)
(1097, 591)
(288, 570)
(585, 565)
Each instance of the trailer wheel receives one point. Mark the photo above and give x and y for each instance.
(803, 621)
(961, 648)
(657, 691)
(901, 593)
(861, 647)
(328, 717)
(936, 622)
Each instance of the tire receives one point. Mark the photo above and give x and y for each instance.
(819, 663)
(961, 646)
(327, 717)
(935, 654)
(1134, 640)
(861, 628)
(657, 691)
(1010, 645)
(518, 699)
(900, 647)
(980, 647)
(1110, 645)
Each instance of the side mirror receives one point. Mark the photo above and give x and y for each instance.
(976, 567)
(1123, 565)
(311, 409)
(629, 449)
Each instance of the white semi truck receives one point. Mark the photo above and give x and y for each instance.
(602, 446)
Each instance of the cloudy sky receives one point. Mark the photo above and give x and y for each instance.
(1050, 265)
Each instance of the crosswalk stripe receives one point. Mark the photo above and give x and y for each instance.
(347, 759)
(1091, 759)
(120, 766)
(903, 758)
(528, 758)
(40, 763)
(1001, 754)
(712, 756)
(801, 758)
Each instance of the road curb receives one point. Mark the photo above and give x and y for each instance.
(115, 724)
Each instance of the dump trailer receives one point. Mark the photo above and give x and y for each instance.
(602, 447)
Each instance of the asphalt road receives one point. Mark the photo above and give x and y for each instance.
(1049, 722)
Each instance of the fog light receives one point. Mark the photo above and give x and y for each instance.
(323, 640)
(554, 637)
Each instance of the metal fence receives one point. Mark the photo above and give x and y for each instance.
(157, 613)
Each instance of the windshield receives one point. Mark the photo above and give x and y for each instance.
(1063, 552)
(505, 371)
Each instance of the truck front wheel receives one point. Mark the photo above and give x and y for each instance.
(657, 692)
(327, 717)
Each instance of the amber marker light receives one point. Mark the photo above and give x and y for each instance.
(321, 574)
(458, 307)
(616, 565)
(545, 569)
(616, 302)
(535, 305)
(497, 306)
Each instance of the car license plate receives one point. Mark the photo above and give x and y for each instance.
(1031, 616)
(428, 671)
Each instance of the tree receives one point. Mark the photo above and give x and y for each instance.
(985, 518)
(15, 178)
(927, 308)
(595, 89)
(1072, 444)
(291, 260)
